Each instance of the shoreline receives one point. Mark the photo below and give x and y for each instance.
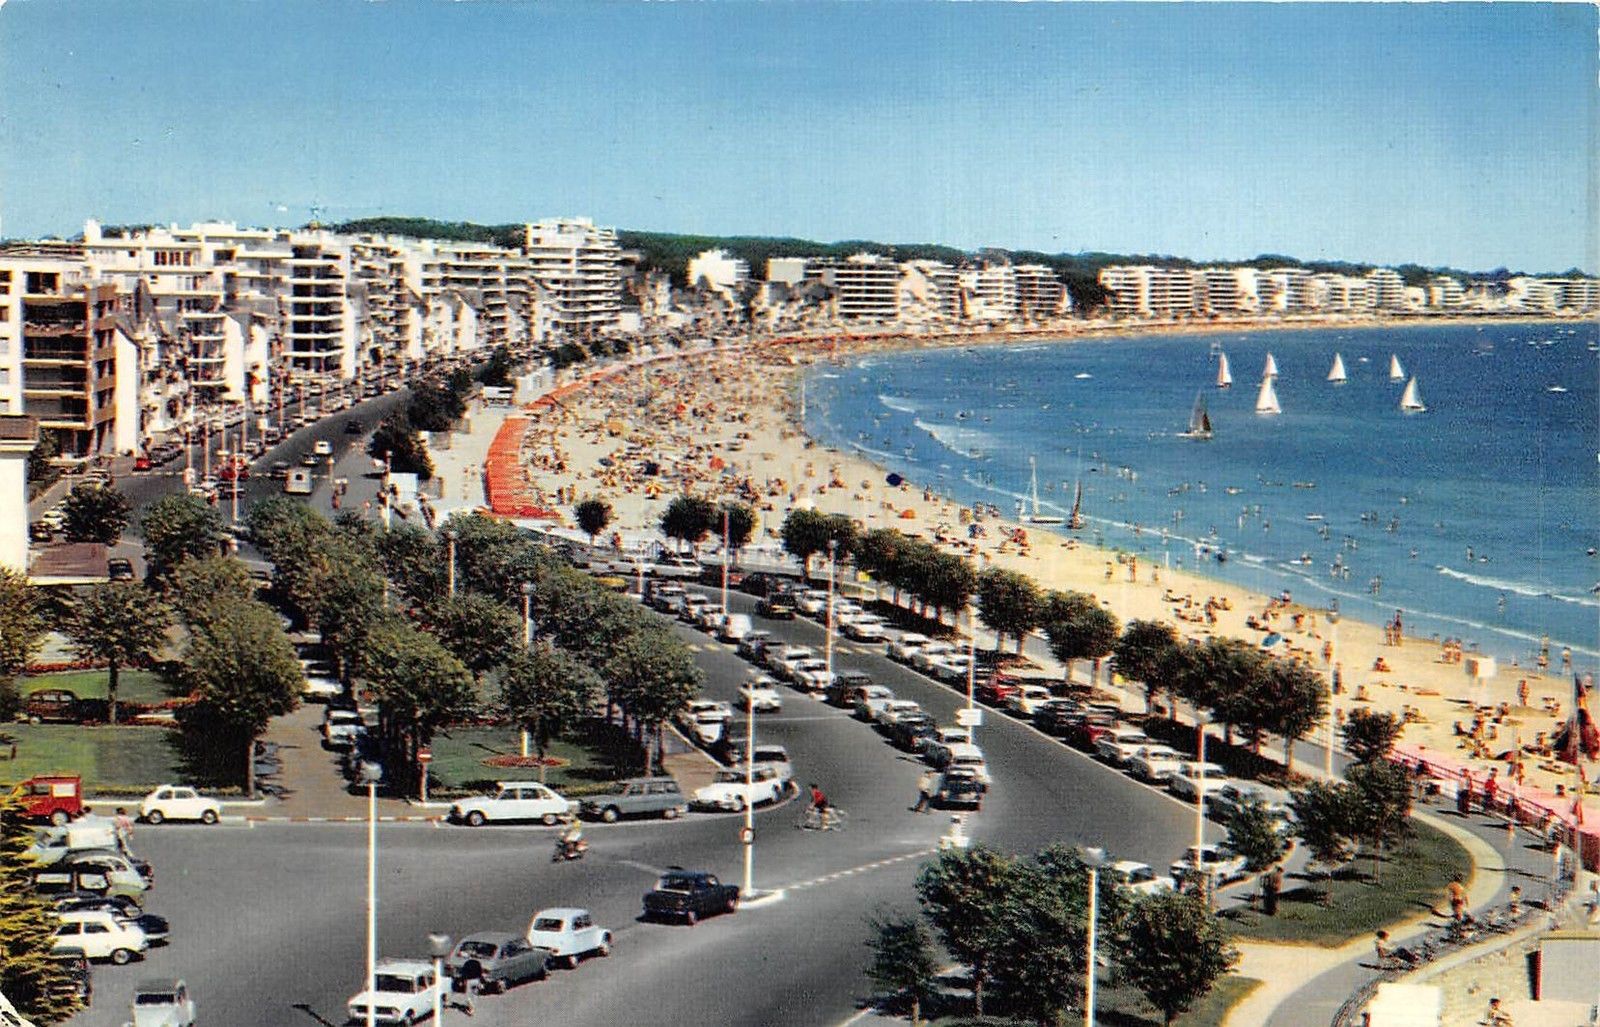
(721, 422)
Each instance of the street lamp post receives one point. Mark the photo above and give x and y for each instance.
(372, 775)
(748, 834)
(972, 673)
(388, 469)
(724, 563)
(439, 946)
(527, 640)
(833, 565)
(1201, 718)
(1327, 754)
(1094, 859)
(450, 540)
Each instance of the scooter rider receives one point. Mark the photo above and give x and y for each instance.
(572, 843)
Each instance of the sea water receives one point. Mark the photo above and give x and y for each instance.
(1476, 518)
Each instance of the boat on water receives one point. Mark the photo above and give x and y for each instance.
(1556, 388)
(1267, 399)
(1075, 520)
(1083, 376)
(1224, 372)
(1199, 420)
(1036, 517)
(1411, 399)
(1336, 374)
(1396, 372)
(1270, 371)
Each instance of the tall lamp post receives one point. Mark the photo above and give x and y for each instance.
(747, 834)
(724, 563)
(1094, 859)
(371, 774)
(827, 645)
(450, 541)
(527, 640)
(439, 946)
(1201, 718)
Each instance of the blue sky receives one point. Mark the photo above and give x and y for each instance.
(1438, 133)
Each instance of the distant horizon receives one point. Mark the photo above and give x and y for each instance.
(1443, 135)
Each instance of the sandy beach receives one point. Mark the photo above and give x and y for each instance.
(723, 423)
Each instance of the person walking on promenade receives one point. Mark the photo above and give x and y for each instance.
(925, 788)
(1456, 893)
(1491, 788)
(1271, 888)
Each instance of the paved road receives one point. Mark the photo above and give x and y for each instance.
(794, 961)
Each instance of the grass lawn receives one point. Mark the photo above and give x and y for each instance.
(459, 754)
(118, 759)
(1117, 1006)
(1411, 880)
(132, 685)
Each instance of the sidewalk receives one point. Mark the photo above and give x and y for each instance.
(313, 789)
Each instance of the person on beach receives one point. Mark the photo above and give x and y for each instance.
(1456, 894)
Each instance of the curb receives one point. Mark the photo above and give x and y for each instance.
(387, 819)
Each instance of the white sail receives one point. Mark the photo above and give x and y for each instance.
(1336, 373)
(1411, 399)
(1199, 420)
(1271, 370)
(1033, 485)
(1224, 373)
(1396, 372)
(1267, 399)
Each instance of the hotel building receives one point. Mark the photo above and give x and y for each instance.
(578, 272)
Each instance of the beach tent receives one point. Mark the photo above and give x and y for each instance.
(908, 514)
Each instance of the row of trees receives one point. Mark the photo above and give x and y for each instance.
(690, 520)
(1020, 927)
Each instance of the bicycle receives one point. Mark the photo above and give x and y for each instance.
(831, 819)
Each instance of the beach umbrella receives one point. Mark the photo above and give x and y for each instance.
(1271, 640)
(894, 480)
(908, 514)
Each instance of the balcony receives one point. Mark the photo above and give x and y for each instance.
(34, 350)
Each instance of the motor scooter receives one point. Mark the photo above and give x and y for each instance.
(566, 850)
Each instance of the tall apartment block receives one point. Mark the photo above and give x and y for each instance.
(578, 270)
(1040, 294)
(865, 287)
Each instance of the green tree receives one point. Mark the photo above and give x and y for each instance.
(412, 559)
(545, 692)
(963, 894)
(1141, 654)
(243, 671)
(1292, 702)
(42, 472)
(1078, 628)
(689, 519)
(178, 528)
(34, 982)
(21, 633)
(593, 516)
(96, 513)
(1255, 835)
(903, 961)
(419, 686)
(396, 440)
(477, 630)
(741, 520)
(117, 623)
(807, 532)
(1380, 805)
(1369, 737)
(876, 552)
(436, 407)
(1325, 824)
(199, 586)
(1173, 951)
(653, 676)
(1009, 603)
(948, 582)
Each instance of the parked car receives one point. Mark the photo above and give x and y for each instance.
(752, 643)
(734, 627)
(515, 800)
(776, 757)
(662, 597)
(119, 569)
(1138, 878)
(760, 584)
(41, 531)
(53, 797)
(891, 711)
(811, 675)
(568, 934)
(996, 691)
(1220, 865)
(1155, 763)
(341, 728)
(156, 928)
(403, 992)
(925, 655)
(869, 699)
(909, 730)
(948, 755)
(761, 694)
(870, 628)
(179, 802)
(689, 607)
(1190, 785)
(954, 669)
(320, 688)
(53, 705)
(101, 936)
(811, 602)
(640, 796)
(163, 1003)
(782, 659)
(688, 895)
(497, 960)
(958, 789)
(1027, 700)
(775, 607)
(1235, 794)
(1118, 745)
(729, 790)
(707, 727)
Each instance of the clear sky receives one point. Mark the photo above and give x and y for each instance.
(1454, 134)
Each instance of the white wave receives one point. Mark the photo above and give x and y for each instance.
(968, 442)
(880, 456)
(827, 374)
(1520, 588)
(905, 406)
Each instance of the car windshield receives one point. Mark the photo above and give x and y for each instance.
(154, 998)
(675, 883)
(395, 982)
(730, 776)
(548, 925)
(476, 949)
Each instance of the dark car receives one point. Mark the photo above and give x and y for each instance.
(688, 895)
(497, 960)
(1057, 716)
(907, 732)
(353, 428)
(40, 531)
(76, 979)
(83, 901)
(959, 789)
(119, 569)
(775, 607)
(53, 704)
(761, 584)
(841, 691)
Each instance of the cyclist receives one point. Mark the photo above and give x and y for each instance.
(821, 813)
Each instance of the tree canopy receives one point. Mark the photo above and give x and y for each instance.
(96, 513)
(117, 623)
(177, 528)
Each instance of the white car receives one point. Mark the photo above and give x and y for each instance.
(1025, 701)
(811, 675)
(892, 710)
(928, 655)
(403, 992)
(569, 934)
(1118, 745)
(318, 688)
(871, 699)
(710, 619)
(782, 660)
(1155, 763)
(1138, 878)
(904, 647)
(750, 645)
(1220, 865)
(951, 667)
(734, 627)
(730, 791)
(101, 935)
(163, 1003)
(869, 628)
(692, 605)
(179, 802)
(515, 800)
(776, 757)
(672, 565)
(707, 726)
(342, 728)
(943, 736)
(964, 755)
(1190, 785)
(811, 602)
(761, 694)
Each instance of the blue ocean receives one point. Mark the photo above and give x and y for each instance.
(1477, 517)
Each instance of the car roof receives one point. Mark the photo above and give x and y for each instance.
(497, 937)
(514, 784)
(561, 912)
(159, 984)
(405, 965)
(1125, 866)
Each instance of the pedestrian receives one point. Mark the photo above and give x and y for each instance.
(1514, 901)
(1456, 893)
(1496, 1015)
(1491, 788)
(1271, 888)
(124, 826)
(1380, 948)
(926, 784)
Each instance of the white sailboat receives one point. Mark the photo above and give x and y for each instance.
(1396, 372)
(1224, 373)
(1411, 399)
(1267, 399)
(1037, 517)
(1199, 420)
(1336, 374)
(1271, 370)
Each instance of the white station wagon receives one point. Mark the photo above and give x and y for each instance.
(516, 800)
(403, 992)
(179, 802)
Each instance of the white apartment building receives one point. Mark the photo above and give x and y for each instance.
(1287, 290)
(1388, 288)
(930, 290)
(787, 270)
(1148, 291)
(1227, 290)
(577, 269)
(865, 287)
(1445, 293)
(1040, 294)
(718, 270)
(1341, 293)
(991, 292)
